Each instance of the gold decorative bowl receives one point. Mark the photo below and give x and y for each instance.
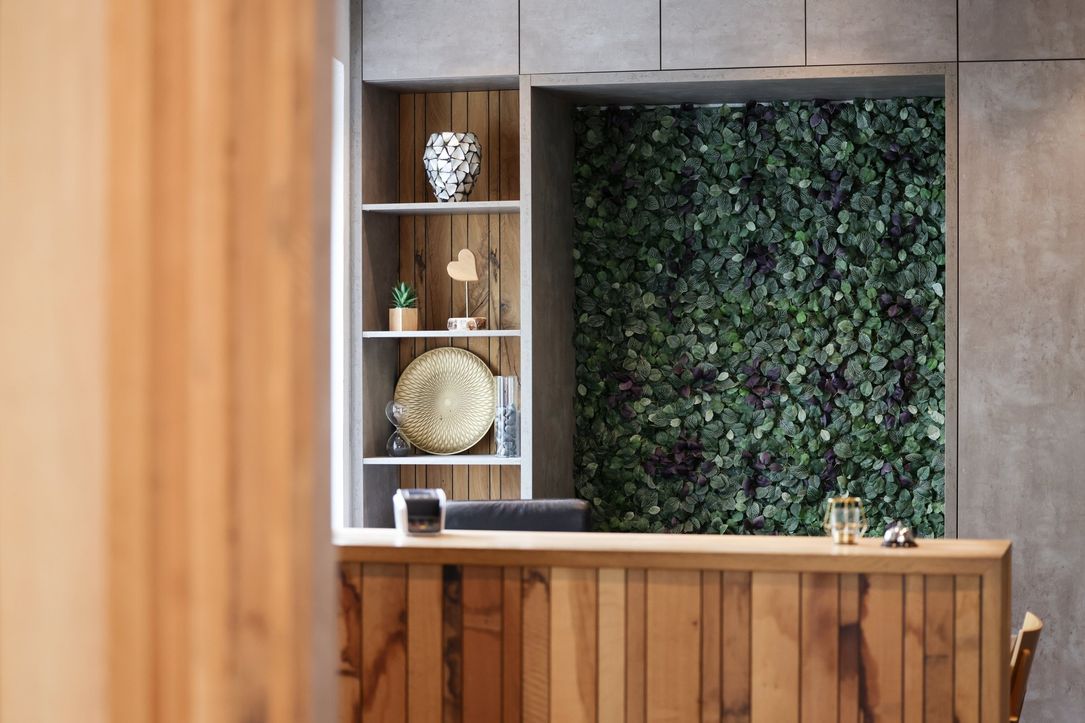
(450, 399)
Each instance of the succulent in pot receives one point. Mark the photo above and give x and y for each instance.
(403, 316)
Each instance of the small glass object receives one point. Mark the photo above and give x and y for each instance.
(845, 520)
(507, 417)
(396, 413)
(397, 445)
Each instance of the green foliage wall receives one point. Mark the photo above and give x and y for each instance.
(760, 315)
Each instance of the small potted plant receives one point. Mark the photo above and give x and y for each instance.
(403, 316)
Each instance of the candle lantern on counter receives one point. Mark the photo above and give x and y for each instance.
(845, 520)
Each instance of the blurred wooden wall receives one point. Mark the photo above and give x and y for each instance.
(164, 551)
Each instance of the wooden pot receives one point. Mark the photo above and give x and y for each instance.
(403, 320)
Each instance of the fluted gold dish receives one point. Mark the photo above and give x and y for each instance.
(449, 398)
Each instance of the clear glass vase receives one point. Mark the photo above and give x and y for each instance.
(507, 417)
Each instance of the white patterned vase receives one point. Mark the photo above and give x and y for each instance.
(452, 162)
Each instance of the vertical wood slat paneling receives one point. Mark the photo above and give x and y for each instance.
(914, 658)
(512, 645)
(735, 658)
(711, 646)
(611, 644)
(425, 666)
(881, 629)
(491, 159)
(408, 475)
(636, 626)
(820, 626)
(384, 637)
(350, 643)
(938, 649)
(536, 645)
(573, 644)
(673, 615)
(611, 665)
(966, 650)
(774, 651)
(452, 643)
(483, 610)
(849, 649)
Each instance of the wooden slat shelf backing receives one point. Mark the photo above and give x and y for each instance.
(428, 243)
(761, 643)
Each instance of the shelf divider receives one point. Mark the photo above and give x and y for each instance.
(439, 334)
(434, 208)
(438, 459)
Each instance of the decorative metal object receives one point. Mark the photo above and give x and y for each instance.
(452, 162)
(450, 397)
(397, 445)
(845, 520)
(898, 534)
(463, 268)
(507, 417)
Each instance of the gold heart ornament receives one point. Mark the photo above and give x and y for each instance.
(463, 268)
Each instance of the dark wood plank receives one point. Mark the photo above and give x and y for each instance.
(849, 649)
(881, 629)
(384, 642)
(536, 645)
(938, 649)
(774, 661)
(735, 658)
(452, 643)
(478, 240)
(461, 474)
(350, 643)
(820, 647)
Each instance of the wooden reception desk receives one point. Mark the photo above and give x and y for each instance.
(563, 627)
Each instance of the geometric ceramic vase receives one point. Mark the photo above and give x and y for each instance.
(452, 162)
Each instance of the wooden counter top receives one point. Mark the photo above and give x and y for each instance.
(701, 552)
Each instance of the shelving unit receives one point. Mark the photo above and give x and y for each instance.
(401, 233)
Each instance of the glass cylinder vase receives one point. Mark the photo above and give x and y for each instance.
(507, 417)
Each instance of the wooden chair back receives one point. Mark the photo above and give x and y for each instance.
(1024, 650)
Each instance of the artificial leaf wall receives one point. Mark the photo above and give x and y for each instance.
(760, 320)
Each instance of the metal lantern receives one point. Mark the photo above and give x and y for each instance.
(845, 520)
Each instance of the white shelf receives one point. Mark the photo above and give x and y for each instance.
(456, 459)
(437, 334)
(434, 208)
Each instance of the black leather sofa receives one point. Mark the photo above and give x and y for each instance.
(565, 515)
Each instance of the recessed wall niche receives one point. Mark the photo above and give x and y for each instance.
(760, 313)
